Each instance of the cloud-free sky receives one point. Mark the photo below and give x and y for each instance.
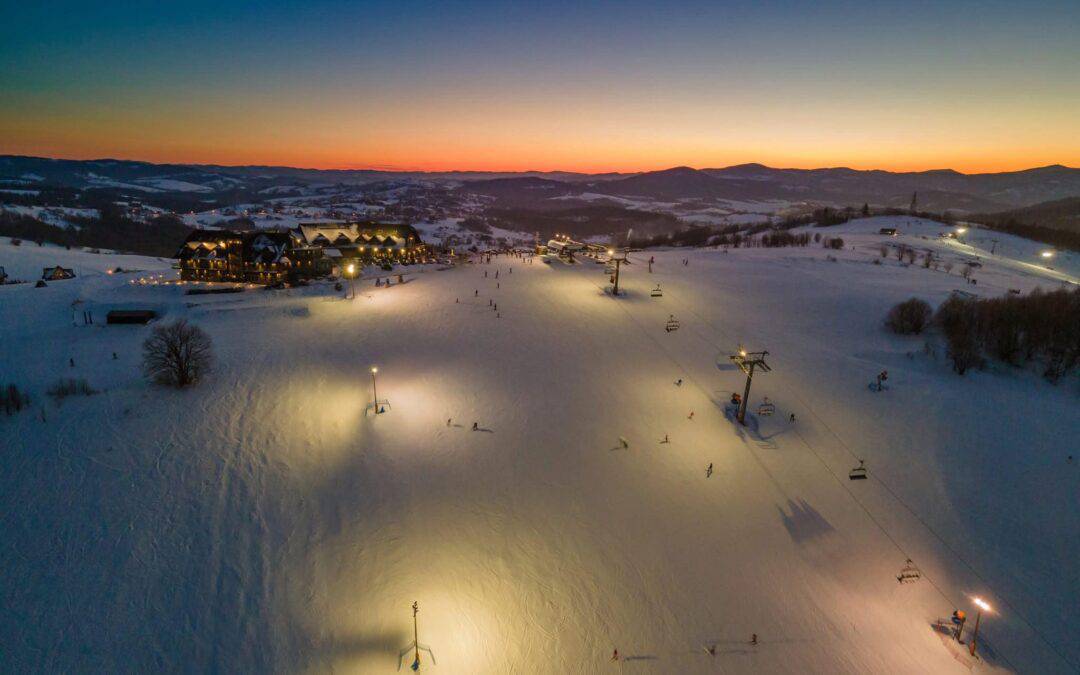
(588, 86)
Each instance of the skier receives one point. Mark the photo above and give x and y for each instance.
(490, 302)
(476, 426)
(711, 649)
(678, 382)
(792, 418)
(457, 300)
(496, 274)
(753, 638)
(476, 293)
(114, 356)
(691, 415)
(623, 442)
(735, 398)
(485, 274)
(665, 439)
(498, 286)
(496, 307)
(448, 420)
(615, 655)
(71, 362)
(708, 472)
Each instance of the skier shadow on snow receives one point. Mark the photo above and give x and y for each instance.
(804, 523)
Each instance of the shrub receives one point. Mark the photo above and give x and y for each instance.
(909, 317)
(12, 400)
(177, 354)
(69, 386)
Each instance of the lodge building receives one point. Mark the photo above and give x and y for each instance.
(310, 250)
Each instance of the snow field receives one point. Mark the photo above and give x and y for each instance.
(265, 521)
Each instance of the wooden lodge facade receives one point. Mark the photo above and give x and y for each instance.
(309, 251)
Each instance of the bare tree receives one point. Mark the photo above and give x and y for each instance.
(177, 354)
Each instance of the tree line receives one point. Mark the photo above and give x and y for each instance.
(1041, 328)
(161, 237)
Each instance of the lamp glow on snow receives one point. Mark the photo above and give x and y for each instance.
(1046, 255)
(961, 230)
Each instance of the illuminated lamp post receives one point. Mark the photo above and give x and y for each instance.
(374, 391)
(982, 605)
(960, 231)
(350, 273)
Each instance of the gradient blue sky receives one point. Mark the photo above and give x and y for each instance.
(586, 86)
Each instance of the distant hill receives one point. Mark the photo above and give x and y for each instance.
(937, 190)
(185, 186)
(1060, 214)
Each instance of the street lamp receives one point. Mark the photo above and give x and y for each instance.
(1047, 254)
(350, 272)
(374, 391)
(982, 605)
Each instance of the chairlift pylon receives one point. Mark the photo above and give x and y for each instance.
(858, 473)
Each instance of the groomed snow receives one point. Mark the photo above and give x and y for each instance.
(264, 522)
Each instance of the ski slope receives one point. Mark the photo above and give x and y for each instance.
(266, 521)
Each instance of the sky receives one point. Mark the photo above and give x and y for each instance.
(575, 86)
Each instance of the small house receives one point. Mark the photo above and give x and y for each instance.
(57, 273)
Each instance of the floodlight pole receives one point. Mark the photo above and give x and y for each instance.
(748, 361)
(415, 633)
(374, 391)
(975, 633)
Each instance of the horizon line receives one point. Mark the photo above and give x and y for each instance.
(374, 168)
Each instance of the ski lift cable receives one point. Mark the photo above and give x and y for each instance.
(875, 476)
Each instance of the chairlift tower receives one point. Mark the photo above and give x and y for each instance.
(748, 362)
(618, 265)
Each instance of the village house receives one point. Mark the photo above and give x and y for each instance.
(57, 273)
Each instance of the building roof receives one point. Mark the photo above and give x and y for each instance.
(358, 234)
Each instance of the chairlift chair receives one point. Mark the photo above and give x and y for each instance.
(858, 473)
(909, 573)
(672, 324)
(656, 292)
(766, 408)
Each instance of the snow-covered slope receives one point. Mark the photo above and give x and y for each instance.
(263, 521)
